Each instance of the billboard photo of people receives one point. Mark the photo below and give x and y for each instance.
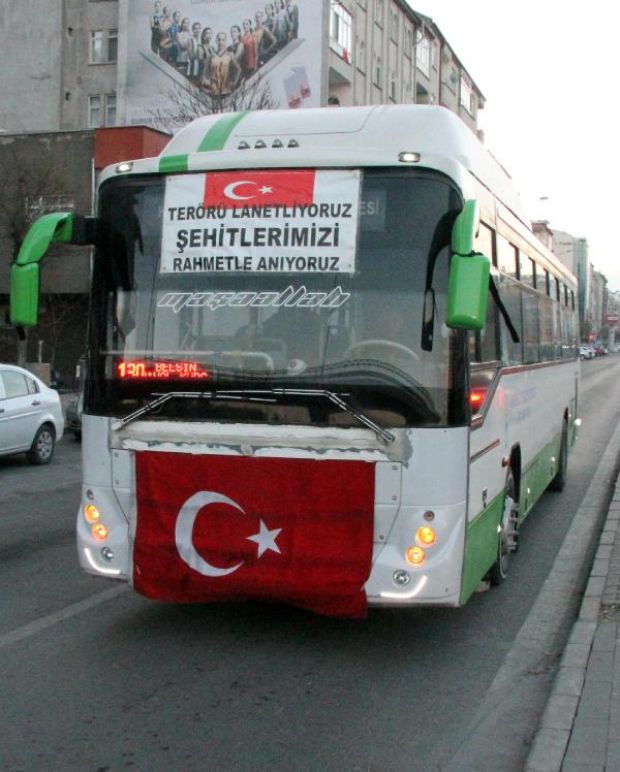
(197, 57)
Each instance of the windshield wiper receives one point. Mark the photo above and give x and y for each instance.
(336, 399)
(155, 403)
(255, 395)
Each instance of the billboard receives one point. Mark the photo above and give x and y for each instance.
(197, 57)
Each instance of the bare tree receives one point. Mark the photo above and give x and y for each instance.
(24, 187)
(60, 312)
(187, 102)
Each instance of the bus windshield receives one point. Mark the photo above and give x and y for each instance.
(338, 294)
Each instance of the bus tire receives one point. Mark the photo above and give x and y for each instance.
(508, 532)
(559, 481)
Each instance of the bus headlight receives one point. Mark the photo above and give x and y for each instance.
(100, 531)
(415, 556)
(426, 536)
(91, 514)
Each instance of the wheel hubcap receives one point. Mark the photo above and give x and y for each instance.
(45, 444)
(509, 531)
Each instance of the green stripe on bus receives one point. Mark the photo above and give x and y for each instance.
(218, 134)
(481, 546)
(482, 533)
(173, 163)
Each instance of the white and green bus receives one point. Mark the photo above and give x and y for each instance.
(329, 364)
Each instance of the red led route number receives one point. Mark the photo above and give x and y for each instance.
(143, 370)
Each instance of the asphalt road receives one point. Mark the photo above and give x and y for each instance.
(96, 678)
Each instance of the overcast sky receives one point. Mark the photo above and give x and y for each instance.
(549, 74)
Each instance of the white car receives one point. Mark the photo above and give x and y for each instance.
(586, 352)
(31, 419)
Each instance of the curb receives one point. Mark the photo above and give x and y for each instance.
(510, 712)
(554, 731)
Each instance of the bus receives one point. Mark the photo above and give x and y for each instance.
(329, 364)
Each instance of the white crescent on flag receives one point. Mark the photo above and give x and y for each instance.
(230, 190)
(265, 538)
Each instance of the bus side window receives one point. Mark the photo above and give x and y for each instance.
(510, 292)
(483, 345)
(530, 326)
(484, 243)
(546, 313)
(507, 257)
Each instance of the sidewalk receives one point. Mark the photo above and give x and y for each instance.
(580, 727)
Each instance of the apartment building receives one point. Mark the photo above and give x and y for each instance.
(82, 64)
(382, 52)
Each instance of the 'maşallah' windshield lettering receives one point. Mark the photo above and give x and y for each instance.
(289, 298)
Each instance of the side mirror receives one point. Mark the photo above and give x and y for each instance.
(468, 292)
(24, 295)
(50, 228)
(468, 284)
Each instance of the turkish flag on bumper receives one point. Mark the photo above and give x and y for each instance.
(216, 528)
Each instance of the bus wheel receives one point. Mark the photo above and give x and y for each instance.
(559, 481)
(508, 532)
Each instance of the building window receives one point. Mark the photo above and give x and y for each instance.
(94, 112)
(377, 70)
(110, 109)
(101, 110)
(394, 23)
(113, 45)
(361, 56)
(407, 41)
(467, 94)
(103, 47)
(423, 56)
(340, 25)
(379, 12)
(96, 47)
(392, 86)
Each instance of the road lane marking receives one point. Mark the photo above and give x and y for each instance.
(32, 628)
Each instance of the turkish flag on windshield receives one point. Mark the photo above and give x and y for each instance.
(251, 188)
(216, 528)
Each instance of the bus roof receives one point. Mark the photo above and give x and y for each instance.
(340, 135)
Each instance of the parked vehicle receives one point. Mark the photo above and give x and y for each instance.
(73, 410)
(73, 416)
(31, 419)
(586, 352)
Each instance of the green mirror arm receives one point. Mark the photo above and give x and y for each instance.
(51, 228)
(465, 228)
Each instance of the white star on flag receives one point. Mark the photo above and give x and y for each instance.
(265, 539)
(266, 189)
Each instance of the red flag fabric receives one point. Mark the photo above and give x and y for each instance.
(251, 188)
(217, 528)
